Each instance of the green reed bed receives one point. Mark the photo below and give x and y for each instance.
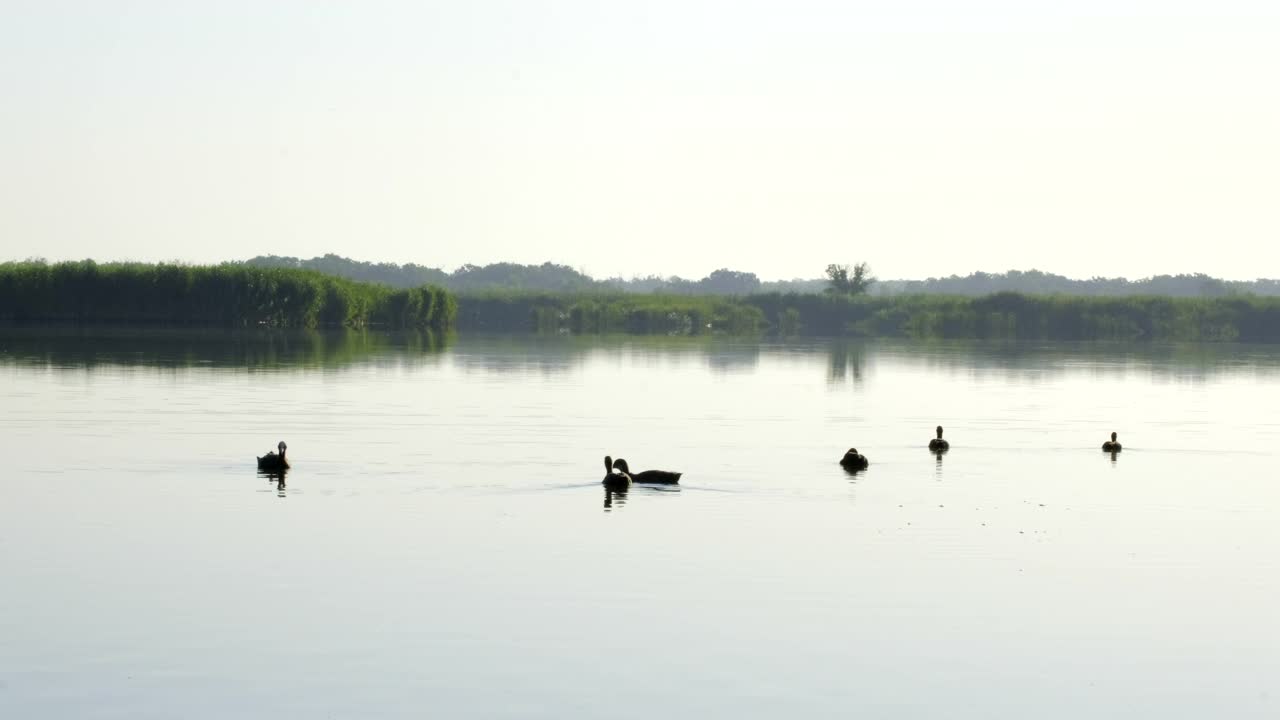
(607, 313)
(214, 295)
(1009, 316)
(1035, 317)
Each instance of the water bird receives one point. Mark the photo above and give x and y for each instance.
(938, 443)
(854, 460)
(1111, 445)
(657, 477)
(272, 461)
(616, 481)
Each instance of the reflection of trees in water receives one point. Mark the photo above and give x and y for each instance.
(845, 361)
(521, 353)
(734, 357)
(852, 360)
(552, 354)
(256, 349)
(1192, 362)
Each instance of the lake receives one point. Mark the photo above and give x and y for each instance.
(443, 546)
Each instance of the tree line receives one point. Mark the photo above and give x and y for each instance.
(240, 295)
(547, 277)
(218, 295)
(551, 277)
(1035, 282)
(1025, 317)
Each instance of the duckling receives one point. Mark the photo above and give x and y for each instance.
(938, 443)
(657, 477)
(853, 460)
(1111, 445)
(616, 481)
(272, 461)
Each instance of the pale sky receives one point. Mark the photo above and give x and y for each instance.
(926, 137)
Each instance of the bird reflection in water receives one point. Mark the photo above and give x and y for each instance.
(614, 495)
(1114, 454)
(277, 477)
(937, 467)
(854, 473)
(617, 497)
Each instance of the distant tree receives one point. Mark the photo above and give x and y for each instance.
(838, 279)
(677, 285)
(729, 282)
(843, 280)
(1035, 282)
(401, 276)
(803, 286)
(511, 276)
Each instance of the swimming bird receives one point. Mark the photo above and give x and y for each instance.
(938, 443)
(657, 477)
(272, 461)
(853, 460)
(616, 481)
(1111, 445)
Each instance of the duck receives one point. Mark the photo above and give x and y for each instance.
(657, 477)
(854, 460)
(938, 444)
(1111, 445)
(272, 461)
(616, 481)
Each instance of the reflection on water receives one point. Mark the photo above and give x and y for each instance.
(276, 477)
(617, 497)
(734, 358)
(848, 361)
(90, 347)
(431, 550)
(557, 354)
(614, 496)
(937, 468)
(1039, 361)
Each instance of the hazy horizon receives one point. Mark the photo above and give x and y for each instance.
(1116, 139)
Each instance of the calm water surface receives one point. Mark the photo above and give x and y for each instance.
(443, 546)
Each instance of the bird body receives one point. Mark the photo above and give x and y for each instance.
(938, 443)
(854, 460)
(1111, 445)
(272, 461)
(654, 477)
(614, 480)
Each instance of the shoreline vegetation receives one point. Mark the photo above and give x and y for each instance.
(238, 295)
(87, 292)
(1001, 316)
